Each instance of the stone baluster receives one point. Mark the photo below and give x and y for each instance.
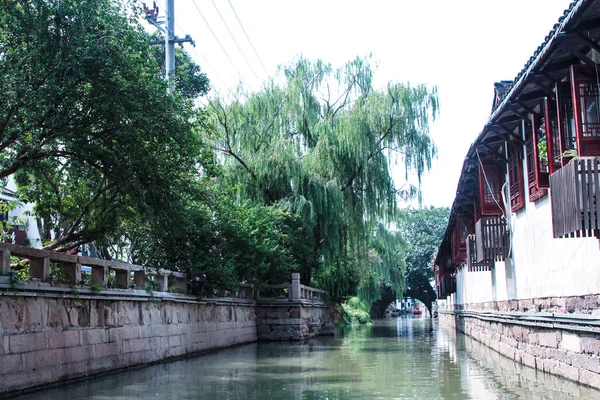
(123, 278)
(5, 261)
(39, 268)
(295, 289)
(73, 271)
(182, 284)
(139, 278)
(100, 275)
(162, 282)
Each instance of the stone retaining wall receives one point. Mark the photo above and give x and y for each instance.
(50, 334)
(292, 321)
(567, 353)
(45, 339)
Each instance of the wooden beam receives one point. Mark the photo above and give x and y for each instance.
(546, 90)
(588, 41)
(582, 57)
(538, 95)
(511, 134)
(495, 153)
(527, 108)
(587, 25)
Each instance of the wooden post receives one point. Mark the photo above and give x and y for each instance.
(139, 278)
(295, 289)
(5, 261)
(39, 268)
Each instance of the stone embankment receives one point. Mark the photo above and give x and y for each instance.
(538, 333)
(52, 333)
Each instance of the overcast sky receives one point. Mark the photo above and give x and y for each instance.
(463, 47)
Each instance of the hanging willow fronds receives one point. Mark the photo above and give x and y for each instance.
(323, 144)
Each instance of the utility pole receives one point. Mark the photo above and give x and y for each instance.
(170, 38)
(170, 45)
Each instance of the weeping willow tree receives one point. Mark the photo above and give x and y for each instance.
(322, 143)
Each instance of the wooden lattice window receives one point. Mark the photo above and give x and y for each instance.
(539, 150)
(515, 179)
(491, 179)
(566, 120)
(553, 145)
(586, 105)
(463, 227)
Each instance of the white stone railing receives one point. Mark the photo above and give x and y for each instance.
(40, 260)
(132, 276)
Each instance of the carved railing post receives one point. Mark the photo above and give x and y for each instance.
(139, 278)
(39, 268)
(295, 289)
(73, 271)
(5, 261)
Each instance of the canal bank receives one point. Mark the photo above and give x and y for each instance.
(56, 333)
(404, 358)
(566, 345)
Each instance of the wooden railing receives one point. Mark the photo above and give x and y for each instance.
(575, 191)
(41, 260)
(492, 238)
(472, 264)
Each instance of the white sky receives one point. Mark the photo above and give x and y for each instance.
(463, 47)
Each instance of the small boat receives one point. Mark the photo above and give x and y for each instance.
(416, 310)
(395, 313)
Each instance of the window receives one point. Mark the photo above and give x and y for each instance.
(552, 137)
(540, 152)
(515, 179)
(566, 119)
(491, 179)
(586, 109)
(464, 226)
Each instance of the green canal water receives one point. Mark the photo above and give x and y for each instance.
(402, 358)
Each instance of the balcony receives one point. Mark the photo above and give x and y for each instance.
(492, 239)
(472, 264)
(575, 189)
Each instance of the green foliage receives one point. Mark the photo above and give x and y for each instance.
(323, 144)
(87, 124)
(422, 230)
(355, 312)
(95, 287)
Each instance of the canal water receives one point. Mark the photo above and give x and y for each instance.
(403, 358)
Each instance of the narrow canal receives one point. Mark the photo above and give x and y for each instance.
(401, 358)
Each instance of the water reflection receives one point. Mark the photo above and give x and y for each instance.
(396, 359)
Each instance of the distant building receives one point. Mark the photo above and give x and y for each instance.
(21, 227)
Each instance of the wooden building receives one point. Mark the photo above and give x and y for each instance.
(525, 223)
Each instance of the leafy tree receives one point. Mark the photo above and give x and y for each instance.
(84, 118)
(322, 145)
(423, 230)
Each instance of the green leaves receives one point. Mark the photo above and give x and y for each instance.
(322, 144)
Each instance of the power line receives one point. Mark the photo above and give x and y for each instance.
(247, 37)
(235, 41)
(220, 45)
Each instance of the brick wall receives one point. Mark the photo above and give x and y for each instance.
(46, 338)
(570, 354)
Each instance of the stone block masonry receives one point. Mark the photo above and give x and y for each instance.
(560, 343)
(46, 339)
(50, 334)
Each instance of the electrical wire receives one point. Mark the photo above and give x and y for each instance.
(247, 37)
(235, 41)
(219, 42)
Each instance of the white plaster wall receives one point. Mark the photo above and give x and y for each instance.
(544, 266)
(473, 287)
